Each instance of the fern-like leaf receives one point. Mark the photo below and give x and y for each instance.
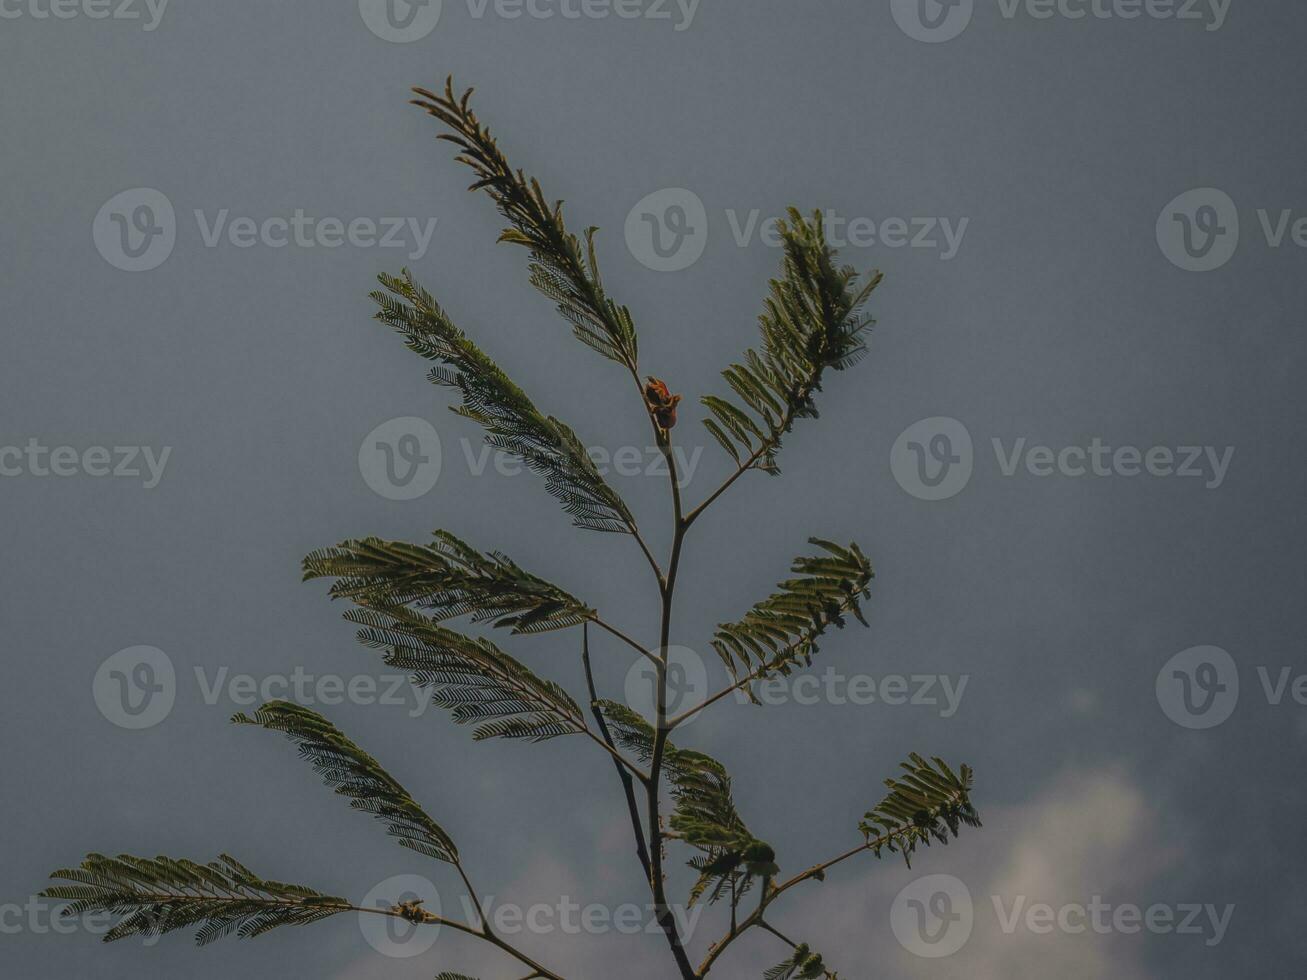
(781, 632)
(356, 776)
(472, 677)
(812, 321)
(705, 816)
(160, 895)
(489, 397)
(447, 578)
(930, 803)
(562, 266)
(803, 965)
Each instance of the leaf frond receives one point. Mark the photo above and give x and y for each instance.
(929, 804)
(448, 579)
(478, 682)
(355, 775)
(705, 815)
(803, 965)
(156, 896)
(513, 424)
(812, 321)
(562, 266)
(781, 632)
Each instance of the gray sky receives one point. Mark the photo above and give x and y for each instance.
(1092, 235)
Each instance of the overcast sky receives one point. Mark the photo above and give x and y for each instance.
(1073, 456)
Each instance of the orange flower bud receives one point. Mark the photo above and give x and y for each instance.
(661, 402)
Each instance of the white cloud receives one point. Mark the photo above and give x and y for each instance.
(1086, 833)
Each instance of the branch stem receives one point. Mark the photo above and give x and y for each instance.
(628, 785)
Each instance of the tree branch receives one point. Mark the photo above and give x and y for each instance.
(628, 786)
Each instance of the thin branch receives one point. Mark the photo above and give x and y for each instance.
(689, 713)
(771, 893)
(628, 786)
(625, 639)
(430, 918)
(666, 920)
(799, 397)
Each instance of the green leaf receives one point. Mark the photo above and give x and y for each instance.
(449, 578)
(781, 632)
(812, 321)
(705, 815)
(153, 897)
(355, 775)
(472, 677)
(803, 965)
(490, 398)
(930, 803)
(562, 267)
